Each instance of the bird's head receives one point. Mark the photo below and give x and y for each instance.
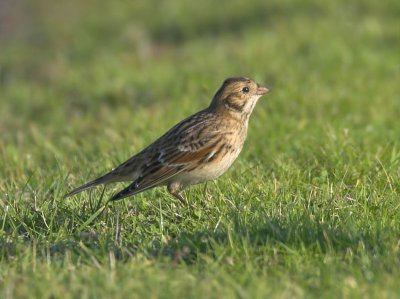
(238, 96)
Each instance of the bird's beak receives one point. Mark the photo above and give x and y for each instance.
(261, 90)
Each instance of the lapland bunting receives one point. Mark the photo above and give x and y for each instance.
(200, 148)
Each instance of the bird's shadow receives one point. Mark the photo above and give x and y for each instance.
(233, 237)
(293, 236)
(290, 235)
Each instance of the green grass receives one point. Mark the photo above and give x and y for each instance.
(311, 209)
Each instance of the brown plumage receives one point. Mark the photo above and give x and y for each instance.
(198, 149)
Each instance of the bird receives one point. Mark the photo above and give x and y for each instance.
(198, 149)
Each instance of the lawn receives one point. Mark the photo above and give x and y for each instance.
(311, 209)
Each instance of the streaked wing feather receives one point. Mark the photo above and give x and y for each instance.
(145, 184)
(183, 147)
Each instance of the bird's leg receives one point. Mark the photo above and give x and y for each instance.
(174, 189)
(180, 197)
(205, 190)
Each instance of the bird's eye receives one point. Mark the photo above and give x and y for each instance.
(245, 89)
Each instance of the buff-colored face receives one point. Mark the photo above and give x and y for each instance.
(239, 95)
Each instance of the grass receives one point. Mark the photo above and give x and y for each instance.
(310, 209)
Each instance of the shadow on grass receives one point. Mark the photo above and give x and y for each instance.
(294, 237)
(271, 236)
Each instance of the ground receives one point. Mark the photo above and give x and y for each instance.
(309, 210)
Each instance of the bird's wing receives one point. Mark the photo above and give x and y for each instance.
(191, 143)
(173, 156)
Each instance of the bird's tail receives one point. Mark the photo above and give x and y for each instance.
(101, 180)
